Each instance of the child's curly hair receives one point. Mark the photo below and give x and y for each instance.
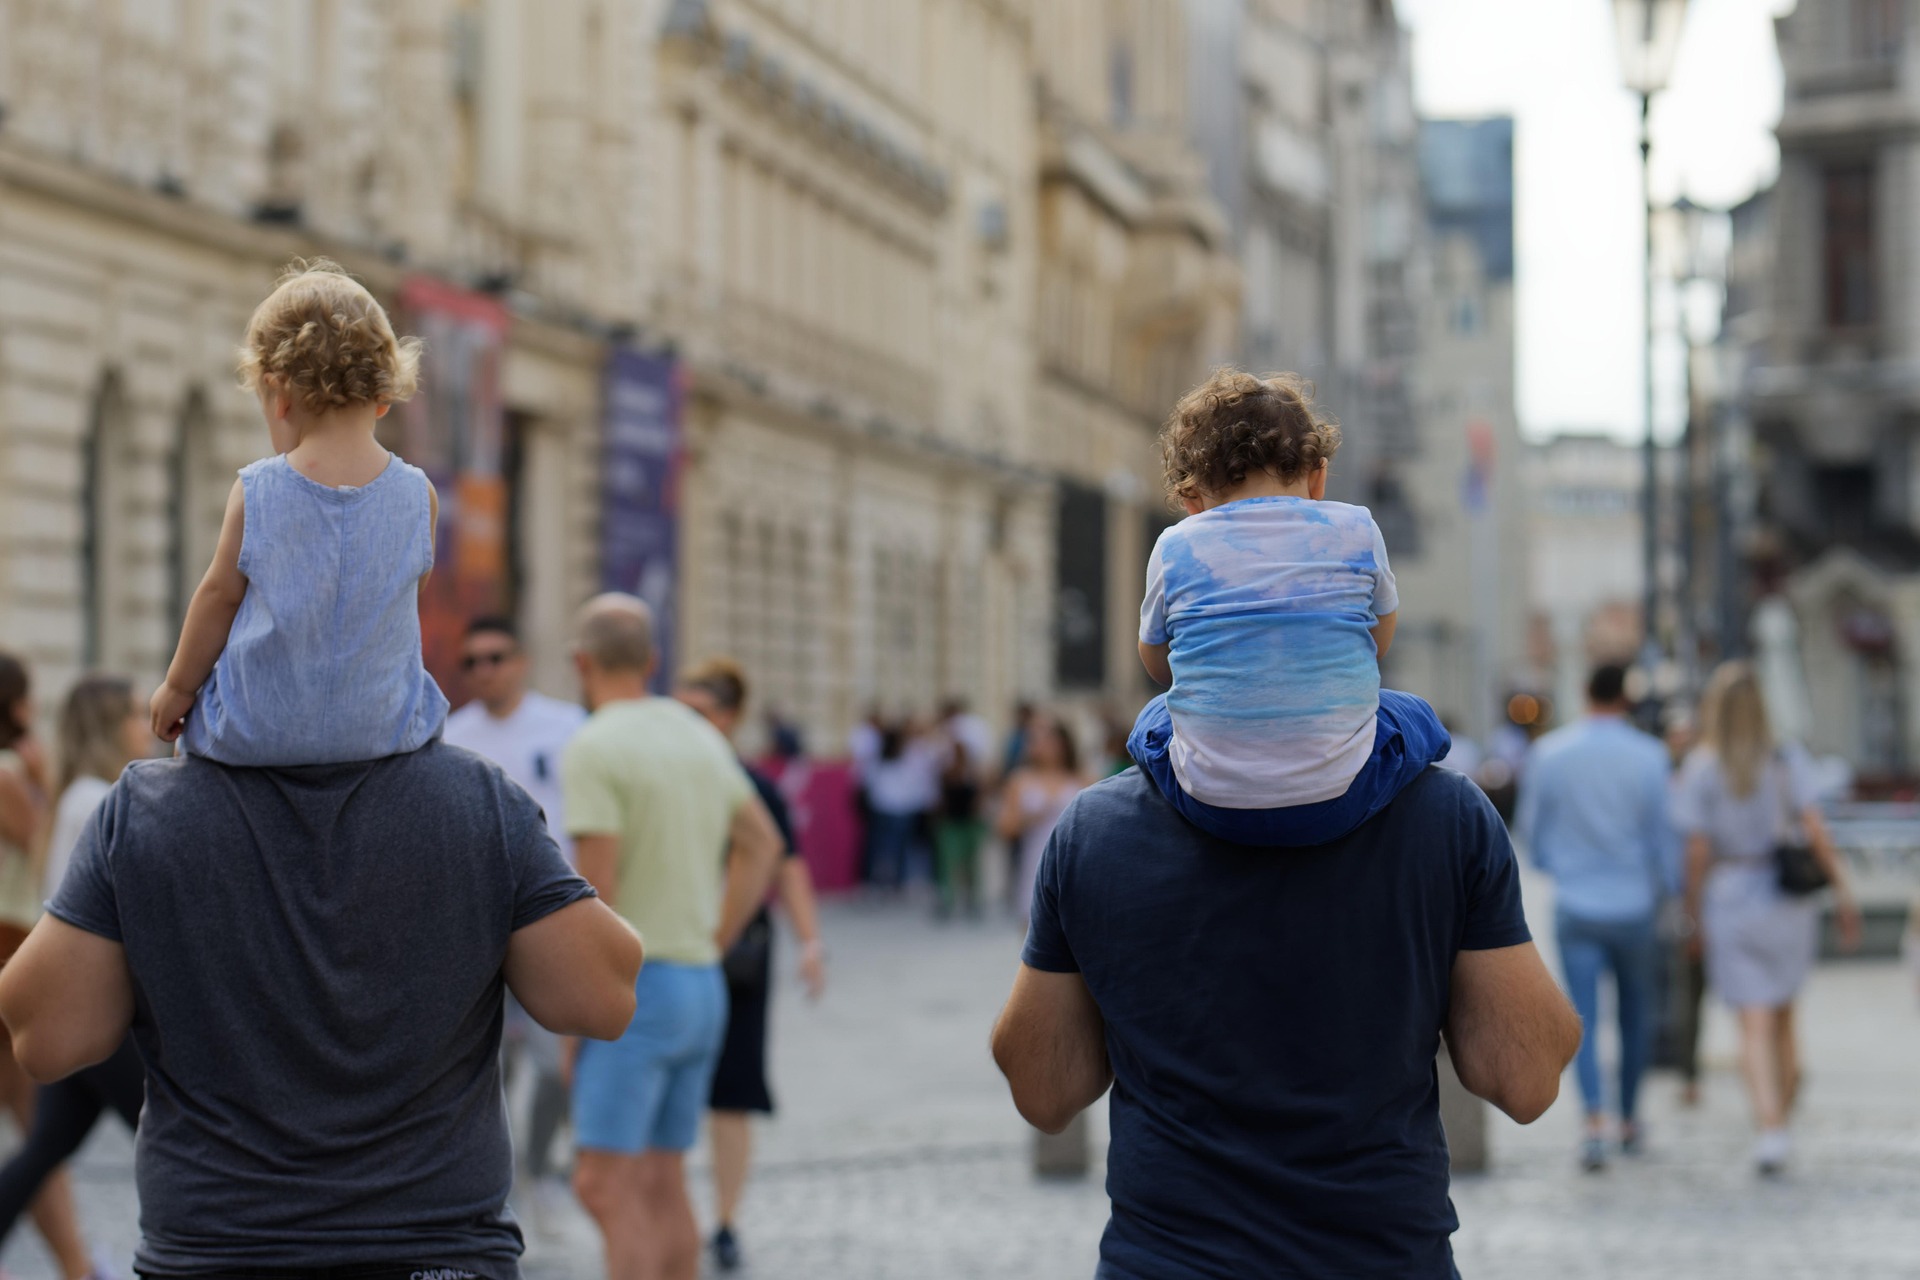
(1234, 425)
(327, 342)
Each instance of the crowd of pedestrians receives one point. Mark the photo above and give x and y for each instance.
(934, 794)
(1682, 869)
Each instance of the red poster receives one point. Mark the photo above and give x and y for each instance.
(455, 430)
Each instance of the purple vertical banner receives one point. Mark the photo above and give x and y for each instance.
(640, 495)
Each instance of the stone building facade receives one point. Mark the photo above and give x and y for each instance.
(1358, 276)
(844, 249)
(1138, 296)
(929, 272)
(160, 163)
(1463, 570)
(1832, 390)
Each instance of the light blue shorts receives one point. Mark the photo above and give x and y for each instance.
(647, 1090)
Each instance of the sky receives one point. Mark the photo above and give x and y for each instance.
(1551, 64)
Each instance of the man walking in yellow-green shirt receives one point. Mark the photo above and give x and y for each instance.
(654, 799)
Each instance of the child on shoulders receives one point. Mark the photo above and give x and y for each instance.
(1268, 610)
(302, 643)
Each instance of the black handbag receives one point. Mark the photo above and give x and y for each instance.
(1797, 869)
(749, 962)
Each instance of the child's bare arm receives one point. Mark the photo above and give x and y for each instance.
(1383, 631)
(1154, 658)
(433, 526)
(209, 618)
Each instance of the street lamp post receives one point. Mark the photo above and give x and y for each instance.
(1648, 33)
(1697, 263)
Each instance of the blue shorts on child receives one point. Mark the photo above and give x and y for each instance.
(1408, 737)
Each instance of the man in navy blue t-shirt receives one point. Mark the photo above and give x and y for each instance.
(1269, 1020)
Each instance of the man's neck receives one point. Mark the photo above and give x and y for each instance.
(1606, 713)
(619, 687)
(506, 706)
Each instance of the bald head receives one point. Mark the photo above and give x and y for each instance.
(615, 633)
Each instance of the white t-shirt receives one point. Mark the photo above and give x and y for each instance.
(70, 817)
(527, 744)
(1267, 606)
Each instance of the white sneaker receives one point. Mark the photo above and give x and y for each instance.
(1770, 1151)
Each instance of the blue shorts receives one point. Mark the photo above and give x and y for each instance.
(646, 1091)
(1407, 738)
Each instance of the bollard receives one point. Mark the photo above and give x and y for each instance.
(1464, 1117)
(1064, 1154)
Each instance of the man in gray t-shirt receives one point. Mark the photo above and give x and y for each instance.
(312, 962)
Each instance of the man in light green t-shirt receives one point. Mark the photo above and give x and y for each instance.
(669, 830)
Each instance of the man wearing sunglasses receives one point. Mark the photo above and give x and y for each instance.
(521, 731)
(524, 733)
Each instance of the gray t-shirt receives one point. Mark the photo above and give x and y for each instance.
(316, 956)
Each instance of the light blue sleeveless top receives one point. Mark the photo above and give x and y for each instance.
(323, 663)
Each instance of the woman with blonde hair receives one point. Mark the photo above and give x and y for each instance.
(1740, 801)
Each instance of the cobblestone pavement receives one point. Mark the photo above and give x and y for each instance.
(897, 1155)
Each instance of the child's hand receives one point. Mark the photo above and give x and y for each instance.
(170, 707)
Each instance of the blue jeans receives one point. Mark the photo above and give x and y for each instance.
(892, 836)
(1407, 739)
(1630, 949)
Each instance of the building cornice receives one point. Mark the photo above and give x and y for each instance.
(22, 168)
(720, 377)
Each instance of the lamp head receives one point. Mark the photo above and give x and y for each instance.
(1648, 35)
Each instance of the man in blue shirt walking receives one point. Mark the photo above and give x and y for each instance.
(1594, 811)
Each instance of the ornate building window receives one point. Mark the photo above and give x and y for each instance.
(195, 504)
(1847, 268)
(103, 503)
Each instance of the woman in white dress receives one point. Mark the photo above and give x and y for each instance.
(1036, 794)
(1738, 798)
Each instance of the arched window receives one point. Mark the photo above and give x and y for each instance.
(103, 501)
(194, 507)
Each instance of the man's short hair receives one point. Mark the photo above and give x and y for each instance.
(615, 631)
(1608, 685)
(493, 624)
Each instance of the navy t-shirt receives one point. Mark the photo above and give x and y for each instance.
(1273, 1018)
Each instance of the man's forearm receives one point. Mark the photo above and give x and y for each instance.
(753, 858)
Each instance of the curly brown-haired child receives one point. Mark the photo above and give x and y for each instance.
(1267, 610)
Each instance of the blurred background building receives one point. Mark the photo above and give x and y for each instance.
(1818, 399)
(841, 331)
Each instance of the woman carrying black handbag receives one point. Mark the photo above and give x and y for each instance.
(1758, 853)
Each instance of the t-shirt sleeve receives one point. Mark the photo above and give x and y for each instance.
(1153, 607)
(589, 793)
(1047, 948)
(86, 898)
(1386, 593)
(1495, 917)
(776, 806)
(542, 881)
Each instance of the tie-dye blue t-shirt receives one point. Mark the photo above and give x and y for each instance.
(1268, 607)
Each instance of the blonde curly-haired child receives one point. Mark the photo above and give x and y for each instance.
(302, 643)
